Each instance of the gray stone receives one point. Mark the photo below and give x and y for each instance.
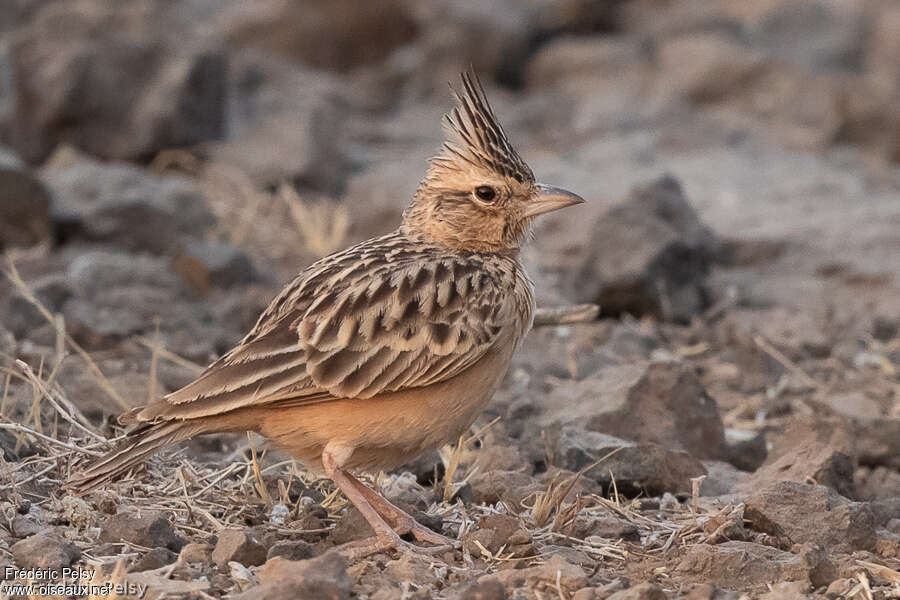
(47, 549)
(649, 255)
(123, 205)
(240, 546)
(801, 513)
(144, 528)
(24, 204)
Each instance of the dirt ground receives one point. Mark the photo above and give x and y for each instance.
(729, 427)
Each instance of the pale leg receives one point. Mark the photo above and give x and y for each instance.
(385, 537)
(401, 521)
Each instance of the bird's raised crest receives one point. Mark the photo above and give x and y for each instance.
(476, 138)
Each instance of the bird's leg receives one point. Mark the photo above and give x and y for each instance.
(401, 521)
(385, 537)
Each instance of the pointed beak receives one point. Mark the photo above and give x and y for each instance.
(549, 198)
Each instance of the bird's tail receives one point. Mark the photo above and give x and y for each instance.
(133, 450)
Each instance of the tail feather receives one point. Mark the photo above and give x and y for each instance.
(133, 450)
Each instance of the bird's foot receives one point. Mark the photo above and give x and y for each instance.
(405, 523)
(386, 542)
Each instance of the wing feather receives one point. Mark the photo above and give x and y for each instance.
(369, 320)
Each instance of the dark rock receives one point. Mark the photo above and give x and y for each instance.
(238, 545)
(637, 468)
(322, 578)
(740, 565)
(649, 255)
(884, 329)
(24, 205)
(351, 527)
(642, 591)
(818, 450)
(204, 264)
(496, 531)
(746, 450)
(144, 528)
(800, 513)
(156, 558)
(291, 550)
(83, 77)
(123, 205)
(47, 549)
(661, 403)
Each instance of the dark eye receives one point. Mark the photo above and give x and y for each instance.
(485, 193)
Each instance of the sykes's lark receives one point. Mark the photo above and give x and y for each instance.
(391, 347)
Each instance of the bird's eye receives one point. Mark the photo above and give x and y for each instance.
(485, 193)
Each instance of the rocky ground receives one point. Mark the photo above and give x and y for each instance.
(729, 428)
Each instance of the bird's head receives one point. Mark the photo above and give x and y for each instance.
(478, 194)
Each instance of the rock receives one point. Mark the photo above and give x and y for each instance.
(649, 255)
(291, 550)
(24, 526)
(740, 565)
(661, 403)
(878, 443)
(721, 478)
(547, 576)
(123, 205)
(95, 272)
(706, 67)
(144, 528)
(877, 483)
(24, 204)
(820, 568)
(488, 589)
(800, 513)
(204, 264)
(495, 532)
(818, 35)
(156, 558)
(818, 450)
(787, 590)
(746, 450)
(196, 553)
(511, 487)
(47, 549)
(286, 125)
(22, 317)
(77, 512)
(637, 467)
(114, 90)
(607, 527)
(238, 545)
(642, 591)
(336, 36)
(322, 578)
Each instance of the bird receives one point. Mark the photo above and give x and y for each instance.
(379, 352)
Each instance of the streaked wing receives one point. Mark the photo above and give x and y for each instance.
(382, 316)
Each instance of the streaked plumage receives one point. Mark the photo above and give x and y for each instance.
(385, 349)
